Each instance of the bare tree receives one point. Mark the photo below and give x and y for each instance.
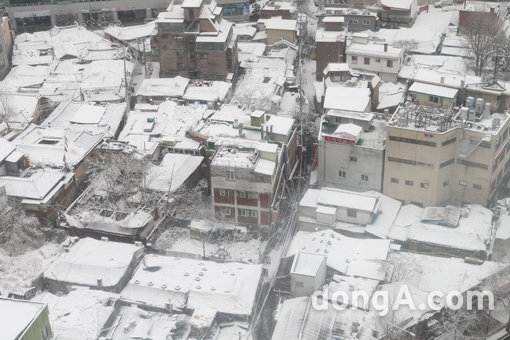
(407, 45)
(7, 111)
(484, 40)
(122, 178)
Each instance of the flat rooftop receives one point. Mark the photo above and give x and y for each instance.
(225, 287)
(16, 316)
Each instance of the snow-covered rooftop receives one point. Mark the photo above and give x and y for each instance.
(81, 314)
(375, 50)
(474, 232)
(398, 4)
(279, 24)
(89, 117)
(307, 264)
(173, 171)
(163, 87)
(131, 32)
(16, 316)
(225, 287)
(48, 146)
(341, 251)
(433, 90)
(89, 261)
(348, 99)
(339, 198)
(207, 91)
(37, 186)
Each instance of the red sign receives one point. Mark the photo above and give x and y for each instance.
(338, 140)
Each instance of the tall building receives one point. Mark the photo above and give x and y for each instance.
(438, 156)
(193, 41)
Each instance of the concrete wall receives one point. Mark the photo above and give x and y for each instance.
(39, 325)
(334, 157)
(274, 36)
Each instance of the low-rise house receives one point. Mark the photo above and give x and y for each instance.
(157, 129)
(354, 19)
(461, 232)
(280, 29)
(212, 93)
(246, 182)
(481, 15)
(157, 90)
(24, 320)
(433, 95)
(136, 38)
(308, 273)
(99, 264)
(107, 119)
(351, 99)
(341, 75)
(59, 148)
(81, 314)
(398, 13)
(41, 192)
(235, 10)
(285, 10)
(12, 162)
(381, 59)
(351, 157)
(181, 284)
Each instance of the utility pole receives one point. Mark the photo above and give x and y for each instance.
(126, 85)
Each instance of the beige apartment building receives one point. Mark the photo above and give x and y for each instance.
(439, 156)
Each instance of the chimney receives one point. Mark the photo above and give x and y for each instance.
(442, 80)
(100, 282)
(492, 10)
(385, 47)
(462, 83)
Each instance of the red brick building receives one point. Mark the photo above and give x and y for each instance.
(193, 41)
(484, 16)
(330, 48)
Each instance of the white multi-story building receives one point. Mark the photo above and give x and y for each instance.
(382, 59)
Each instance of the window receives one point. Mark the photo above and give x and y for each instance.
(434, 99)
(389, 63)
(299, 284)
(231, 175)
(226, 211)
(445, 183)
(354, 59)
(366, 22)
(424, 185)
(204, 70)
(353, 159)
(410, 183)
(377, 60)
(253, 213)
(224, 193)
(366, 61)
(253, 195)
(241, 194)
(179, 53)
(477, 186)
(394, 180)
(180, 66)
(364, 178)
(449, 141)
(352, 212)
(412, 141)
(341, 173)
(178, 39)
(203, 56)
(462, 183)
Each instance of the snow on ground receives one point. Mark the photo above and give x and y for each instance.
(18, 272)
(178, 239)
